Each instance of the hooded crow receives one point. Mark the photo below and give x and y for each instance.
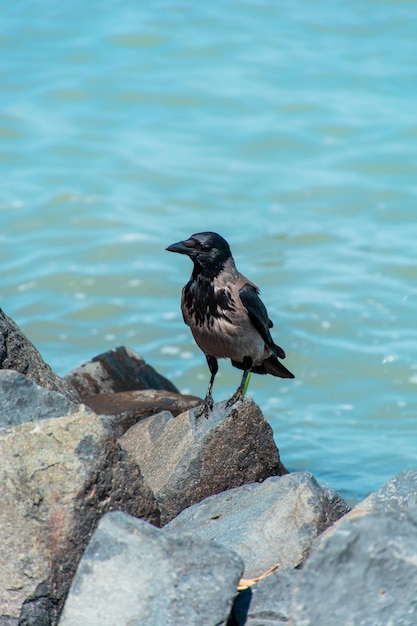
(226, 315)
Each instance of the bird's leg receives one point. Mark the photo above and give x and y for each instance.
(208, 400)
(238, 395)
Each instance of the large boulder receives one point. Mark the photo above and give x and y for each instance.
(273, 522)
(187, 458)
(365, 573)
(125, 408)
(133, 573)
(397, 496)
(57, 478)
(18, 353)
(120, 369)
(22, 401)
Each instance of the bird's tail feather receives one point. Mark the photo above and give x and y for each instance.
(271, 365)
(279, 351)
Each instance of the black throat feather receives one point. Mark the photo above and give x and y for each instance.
(204, 303)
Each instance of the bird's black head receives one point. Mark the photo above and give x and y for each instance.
(208, 251)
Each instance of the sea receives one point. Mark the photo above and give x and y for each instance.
(290, 128)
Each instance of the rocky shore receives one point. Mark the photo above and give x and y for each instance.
(120, 507)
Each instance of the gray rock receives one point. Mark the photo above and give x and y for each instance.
(22, 400)
(185, 459)
(364, 574)
(266, 603)
(57, 478)
(338, 503)
(133, 573)
(126, 408)
(397, 496)
(40, 608)
(120, 369)
(268, 523)
(18, 353)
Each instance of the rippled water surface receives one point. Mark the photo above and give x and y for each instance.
(290, 128)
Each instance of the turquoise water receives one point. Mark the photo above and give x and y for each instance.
(291, 129)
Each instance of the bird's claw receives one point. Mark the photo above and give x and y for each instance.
(205, 408)
(238, 395)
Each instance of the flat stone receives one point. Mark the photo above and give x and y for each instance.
(272, 522)
(57, 478)
(364, 574)
(133, 573)
(22, 400)
(185, 459)
(120, 369)
(18, 353)
(126, 408)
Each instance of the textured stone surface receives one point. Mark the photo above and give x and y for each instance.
(57, 477)
(397, 496)
(120, 369)
(364, 574)
(185, 459)
(133, 573)
(128, 407)
(40, 608)
(338, 503)
(268, 523)
(267, 603)
(22, 400)
(18, 353)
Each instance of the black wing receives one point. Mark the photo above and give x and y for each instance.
(258, 315)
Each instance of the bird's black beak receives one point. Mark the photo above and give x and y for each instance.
(182, 247)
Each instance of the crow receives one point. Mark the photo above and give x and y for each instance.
(226, 315)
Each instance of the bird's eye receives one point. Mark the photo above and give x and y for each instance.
(205, 248)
